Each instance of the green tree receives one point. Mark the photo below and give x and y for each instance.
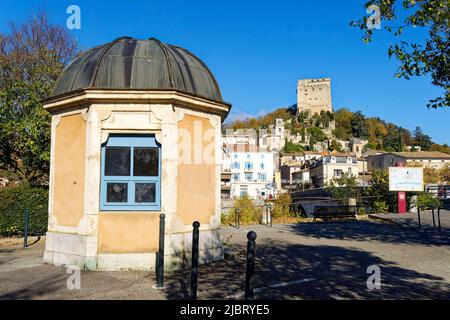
(392, 141)
(379, 193)
(343, 121)
(316, 134)
(359, 125)
(343, 188)
(429, 58)
(32, 57)
(290, 147)
(335, 146)
(421, 139)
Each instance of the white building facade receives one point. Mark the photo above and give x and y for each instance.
(252, 171)
(332, 167)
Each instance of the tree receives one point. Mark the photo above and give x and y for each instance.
(290, 147)
(441, 148)
(359, 127)
(376, 130)
(316, 134)
(430, 175)
(421, 139)
(343, 119)
(343, 188)
(335, 146)
(325, 118)
(32, 57)
(444, 174)
(432, 57)
(378, 192)
(263, 121)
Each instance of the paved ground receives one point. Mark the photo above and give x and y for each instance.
(302, 261)
(411, 219)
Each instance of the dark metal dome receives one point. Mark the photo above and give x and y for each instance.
(128, 63)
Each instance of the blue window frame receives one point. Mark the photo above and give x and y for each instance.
(131, 173)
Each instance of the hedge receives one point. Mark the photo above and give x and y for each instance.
(13, 203)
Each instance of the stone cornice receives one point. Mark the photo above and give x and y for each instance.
(114, 96)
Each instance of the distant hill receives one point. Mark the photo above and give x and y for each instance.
(382, 135)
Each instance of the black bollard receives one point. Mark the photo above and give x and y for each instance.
(194, 262)
(418, 216)
(434, 222)
(160, 255)
(250, 267)
(25, 230)
(439, 218)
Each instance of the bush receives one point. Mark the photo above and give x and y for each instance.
(249, 212)
(379, 191)
(427, 201)
(13, 202)
(282, 205)
(379, 207)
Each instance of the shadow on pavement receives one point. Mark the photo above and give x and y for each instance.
(370, 231)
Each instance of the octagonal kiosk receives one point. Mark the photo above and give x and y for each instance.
(136, 127)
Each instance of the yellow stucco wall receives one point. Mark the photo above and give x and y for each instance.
(196, 183)
(69, 169)
(128, 232)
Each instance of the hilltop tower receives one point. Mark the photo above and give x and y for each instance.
(314, 95)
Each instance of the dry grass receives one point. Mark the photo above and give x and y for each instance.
(12, 242)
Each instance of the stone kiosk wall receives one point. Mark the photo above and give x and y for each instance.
(81, 234)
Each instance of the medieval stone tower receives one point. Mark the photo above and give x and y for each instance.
(314, 95)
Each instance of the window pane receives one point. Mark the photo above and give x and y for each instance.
(146, 161)
(145, 192)
(117, 192)
(117, 161)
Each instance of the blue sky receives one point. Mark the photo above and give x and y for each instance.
(258, 50)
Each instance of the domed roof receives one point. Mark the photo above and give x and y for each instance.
(128, 63)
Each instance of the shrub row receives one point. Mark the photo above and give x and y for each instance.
(13, 203)
(251, 213)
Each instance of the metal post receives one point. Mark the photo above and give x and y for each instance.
(418, 215)
(194, 263)
(237, 218)
(270, 215)
(25, 230)
(160, 257)
(265, 216)
(439, 218)
(434, 222)
(250, 268)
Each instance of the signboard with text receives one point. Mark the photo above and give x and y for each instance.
(405, 179)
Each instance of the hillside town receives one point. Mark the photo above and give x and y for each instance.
(256, 163)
